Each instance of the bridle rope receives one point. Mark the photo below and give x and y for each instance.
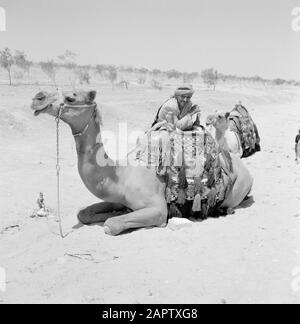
(57, 120)
(79, 134)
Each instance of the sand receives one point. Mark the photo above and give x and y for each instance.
(252, 256)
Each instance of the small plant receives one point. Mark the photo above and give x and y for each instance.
(210, 77)
(156, 85)
(142, 79)
(22, 62)
(83, 76)
(112, 75)
(68, 59)
(124, 84)
(49, 69)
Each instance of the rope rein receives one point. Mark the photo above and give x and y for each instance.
(79, 134)
(57, 120)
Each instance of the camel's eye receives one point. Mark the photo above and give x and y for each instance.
(74, 94)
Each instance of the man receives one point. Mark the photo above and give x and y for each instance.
(178, 111)
(297, 148)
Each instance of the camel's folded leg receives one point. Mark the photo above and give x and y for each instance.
(99, 212)
(241, 188)
(146, 217)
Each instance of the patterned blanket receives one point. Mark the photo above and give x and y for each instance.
(191, 165)
(242, 124)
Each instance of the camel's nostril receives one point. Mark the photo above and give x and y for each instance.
(69, 99)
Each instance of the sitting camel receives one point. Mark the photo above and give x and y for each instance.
(224, 136)
(137, 188)
(230, 133)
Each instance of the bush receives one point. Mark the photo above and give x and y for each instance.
(83, 76)
(156, 85)
(49, 69)
(22, 62)
(210, 77)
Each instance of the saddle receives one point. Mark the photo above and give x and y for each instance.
(245, 127)
(190, 163)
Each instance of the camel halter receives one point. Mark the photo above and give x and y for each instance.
(79, 134)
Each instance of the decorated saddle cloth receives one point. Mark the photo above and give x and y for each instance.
(243, 125)
(190, 163)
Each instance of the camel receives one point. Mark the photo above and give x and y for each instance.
(228, 134)
(225, 137)
(136, 191)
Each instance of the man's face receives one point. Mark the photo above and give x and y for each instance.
(183, 100)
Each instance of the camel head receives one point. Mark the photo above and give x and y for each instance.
(219, 120)
(78, 106)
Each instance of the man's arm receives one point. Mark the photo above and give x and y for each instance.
(190, 120)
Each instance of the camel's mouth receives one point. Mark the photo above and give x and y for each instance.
(38, 112)
(70, 100)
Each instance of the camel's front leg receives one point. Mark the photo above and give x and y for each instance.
(146, 217)
(99, 212)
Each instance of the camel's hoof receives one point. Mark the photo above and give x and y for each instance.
(112, 228)
(230, 211)
(107, 231)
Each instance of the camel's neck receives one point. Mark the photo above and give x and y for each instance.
(97, 170)
(220, 136)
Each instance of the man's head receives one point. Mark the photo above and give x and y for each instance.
(183, 94)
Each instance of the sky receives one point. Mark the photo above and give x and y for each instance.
(241, 37)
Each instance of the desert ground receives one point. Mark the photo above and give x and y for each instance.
(249, 257)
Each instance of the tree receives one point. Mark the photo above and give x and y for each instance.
(156, 72)
(83, 75)
(22, 62)
(49, 69)
(68, 59)
(210, 77)
(173, 74)
(112, 75)
(156, 85)
(7, 61)
(189, 77)
(279, 82)
(100, 68)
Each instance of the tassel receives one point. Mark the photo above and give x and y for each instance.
(178, 160)
(168, 188)
(197, 204)
(168, 195)
(211, 179)
(204, 210)
(208, 163)
(181, 197)
(211, 198)
(174, 212)
(183, 184)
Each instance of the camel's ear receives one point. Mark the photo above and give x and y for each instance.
(92, 95)
(227, 115)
